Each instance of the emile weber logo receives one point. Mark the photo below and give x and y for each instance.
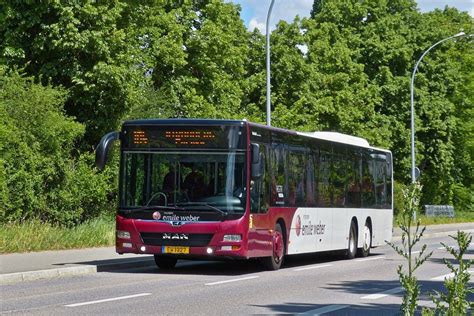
(175, 218)
(309, 229)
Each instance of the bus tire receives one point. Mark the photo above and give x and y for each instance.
(366, 241)
(352, 244)
(278, 250)
(165, 263)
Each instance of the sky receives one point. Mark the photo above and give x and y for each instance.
(254, 12)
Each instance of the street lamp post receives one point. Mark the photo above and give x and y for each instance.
(413, 176)
(268, 64)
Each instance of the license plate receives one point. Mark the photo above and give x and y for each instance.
(175, 249)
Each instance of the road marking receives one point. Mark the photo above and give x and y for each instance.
(233, 280)
(440, 248)
(313, 267)
(370, 259)
(322, 310)
(415, 252)
(108, 300)
(383, 294)
(447, 276)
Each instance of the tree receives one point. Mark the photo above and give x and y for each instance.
(81, 47)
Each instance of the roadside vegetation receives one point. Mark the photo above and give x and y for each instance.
(35, 235)
(69, 73)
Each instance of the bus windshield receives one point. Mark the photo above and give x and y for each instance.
(188, 180)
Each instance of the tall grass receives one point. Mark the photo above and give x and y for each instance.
(37, 236)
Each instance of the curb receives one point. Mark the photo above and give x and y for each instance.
(17, 277)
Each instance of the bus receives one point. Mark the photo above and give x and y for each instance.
(232, 189)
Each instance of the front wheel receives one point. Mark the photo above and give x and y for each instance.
(278, 250)
(165, 263)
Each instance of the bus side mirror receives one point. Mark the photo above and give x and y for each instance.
(256, 160)
(102, 150)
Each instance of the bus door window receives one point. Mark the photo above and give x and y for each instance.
(278, 179)
(260, 187)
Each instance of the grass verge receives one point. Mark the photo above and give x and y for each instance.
(460, 217)
(37, 236)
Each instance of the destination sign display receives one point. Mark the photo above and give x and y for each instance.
(212, 137)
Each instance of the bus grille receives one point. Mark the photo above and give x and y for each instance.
(176, 239)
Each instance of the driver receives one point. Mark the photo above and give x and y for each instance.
(194, 184)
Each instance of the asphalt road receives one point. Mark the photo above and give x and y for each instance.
(311, 285)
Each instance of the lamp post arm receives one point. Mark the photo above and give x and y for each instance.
(412, 101)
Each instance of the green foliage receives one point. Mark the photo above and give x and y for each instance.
(455, 301)
(41, 177)
(409, 239)
(82, 47)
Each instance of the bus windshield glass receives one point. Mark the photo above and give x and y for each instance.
(191, 180)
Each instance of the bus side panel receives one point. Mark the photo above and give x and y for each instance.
(261, 230)
(311, 230)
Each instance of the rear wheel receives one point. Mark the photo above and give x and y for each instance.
(366, 241)
(278, 250)
(165, 263)
(352, 244)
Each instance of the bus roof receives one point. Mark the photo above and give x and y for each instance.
(338, 137)
(328, 136)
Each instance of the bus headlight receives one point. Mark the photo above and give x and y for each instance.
(232, 238)
(123, 234)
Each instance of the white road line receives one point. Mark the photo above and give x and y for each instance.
(314, 267)
(447, 276)
(415, 252)
(322, 310)
(233, 280)
(440, 248)
(108, 300)
(382, 294)
(370, 259)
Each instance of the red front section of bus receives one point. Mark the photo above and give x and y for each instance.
(197, 237)
(256, 235)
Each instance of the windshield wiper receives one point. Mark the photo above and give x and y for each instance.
(223, 213)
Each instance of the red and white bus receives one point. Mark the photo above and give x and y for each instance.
(209, 189)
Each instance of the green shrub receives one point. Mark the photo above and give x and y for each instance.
(398, 198)
(41, 176)
(463, 198)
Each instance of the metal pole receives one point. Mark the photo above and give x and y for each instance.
(268, 64)
(413, 176)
